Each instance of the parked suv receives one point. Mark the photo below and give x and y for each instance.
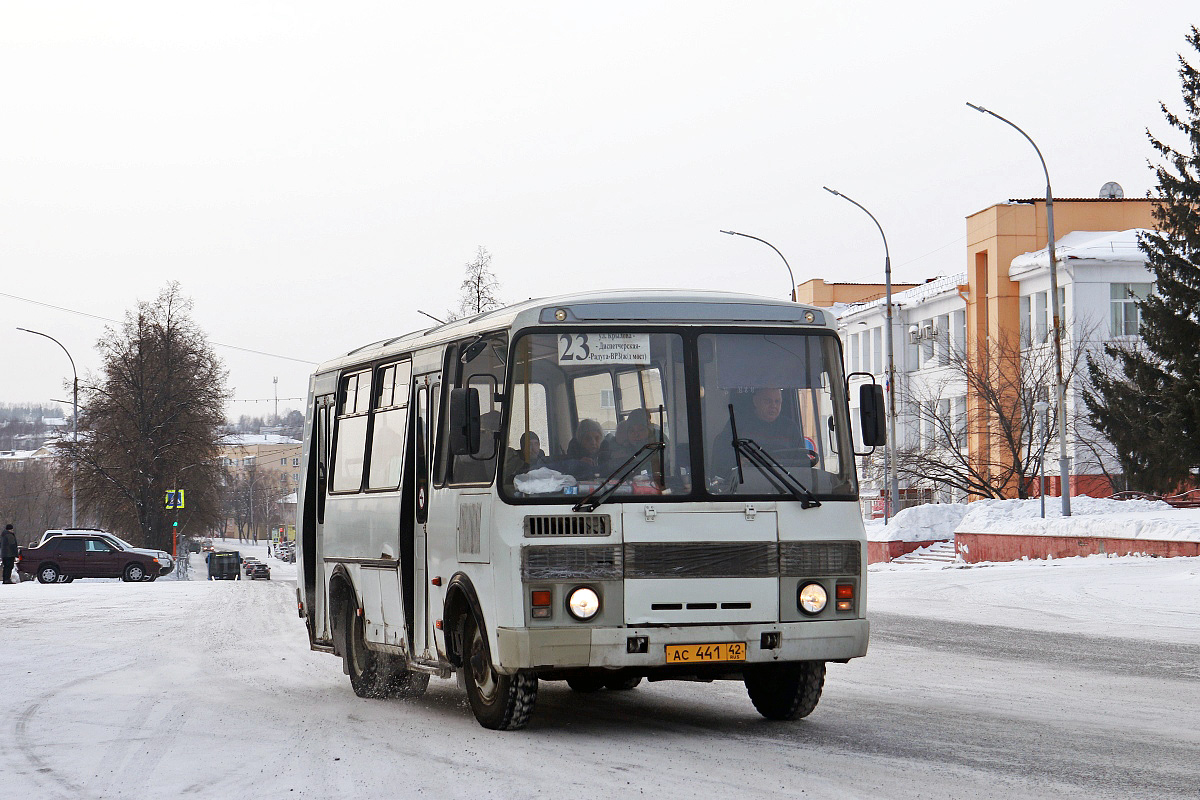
(68, 556)
(166, 562)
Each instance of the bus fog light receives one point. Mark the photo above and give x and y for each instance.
(583, 603)
(812, 598)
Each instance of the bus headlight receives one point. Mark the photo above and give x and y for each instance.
(583, 603)
(812, 598)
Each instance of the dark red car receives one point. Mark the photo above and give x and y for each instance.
(64, 558)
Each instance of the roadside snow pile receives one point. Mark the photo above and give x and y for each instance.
(931, 522)
(1091, 517)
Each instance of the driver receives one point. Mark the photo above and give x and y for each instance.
(775, 433)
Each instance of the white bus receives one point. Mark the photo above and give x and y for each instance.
(598, 488)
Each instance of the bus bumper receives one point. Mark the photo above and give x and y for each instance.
(568, 648)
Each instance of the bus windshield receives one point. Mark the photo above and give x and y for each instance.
(784, 395)
(588, 407)
(585, 403)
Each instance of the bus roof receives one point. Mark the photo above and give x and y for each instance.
(694, 306)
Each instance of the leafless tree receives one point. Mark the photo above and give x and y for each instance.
(480, 288)
(150, 422)
(1003, 380)
(33, 498)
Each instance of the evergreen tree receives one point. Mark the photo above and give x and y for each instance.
(1151, 410)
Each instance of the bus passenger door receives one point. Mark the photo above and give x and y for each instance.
(424, 413)
(315, 488)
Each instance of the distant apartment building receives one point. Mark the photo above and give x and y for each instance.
(272, 463)
(1002, 295)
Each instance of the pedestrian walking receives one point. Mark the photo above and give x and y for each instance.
(8, 551)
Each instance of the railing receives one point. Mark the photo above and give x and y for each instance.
(1188, 499)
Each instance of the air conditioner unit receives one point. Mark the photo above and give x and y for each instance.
(927, 330)
(914, 333)
(933, 330)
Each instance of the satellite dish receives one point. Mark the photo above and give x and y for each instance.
(1112, 191)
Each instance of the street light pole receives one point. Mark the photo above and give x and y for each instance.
(1061, 390)
(1041, 408)
(74, 418)
(791, 277)
(891, 359)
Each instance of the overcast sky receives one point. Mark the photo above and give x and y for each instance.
(313, 173)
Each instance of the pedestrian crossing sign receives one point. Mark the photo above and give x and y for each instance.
(174, 498)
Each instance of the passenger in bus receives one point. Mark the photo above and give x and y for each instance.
(583, 451)
(529, 456)
(633, 433)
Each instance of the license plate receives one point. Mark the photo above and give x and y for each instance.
(705, 653)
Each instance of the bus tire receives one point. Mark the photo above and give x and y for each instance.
(499, 702)
(362, 665)
(785, 691)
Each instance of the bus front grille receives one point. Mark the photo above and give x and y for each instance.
(595, 562)
(818, 559)
(573, 525)
(700, 560)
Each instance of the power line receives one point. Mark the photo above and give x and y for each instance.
(117, 322)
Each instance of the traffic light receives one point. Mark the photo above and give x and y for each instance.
(175, 524)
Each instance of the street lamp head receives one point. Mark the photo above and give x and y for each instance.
(833, 192)
(732, 233)
(1041, 406)
(980, 109)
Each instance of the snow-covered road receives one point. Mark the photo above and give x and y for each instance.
(990, 682)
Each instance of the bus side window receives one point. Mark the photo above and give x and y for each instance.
(441, 443)
(350, 438)
(483, 370)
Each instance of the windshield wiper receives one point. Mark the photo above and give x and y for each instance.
(775, 473)
(597, 496)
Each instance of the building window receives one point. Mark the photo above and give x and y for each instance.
(876, 351)
(1125, 316)
(295, 462)
(283, 462)
(1040, 326)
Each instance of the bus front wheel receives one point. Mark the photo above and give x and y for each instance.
(499, 702)
(785, 691)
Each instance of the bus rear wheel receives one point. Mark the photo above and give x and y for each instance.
(362, 665)
(785, 691)
(499, 702)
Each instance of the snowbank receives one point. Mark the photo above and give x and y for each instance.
(1091, 518)
(931, 522)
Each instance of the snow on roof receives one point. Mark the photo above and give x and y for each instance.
(909, 297)
(251, 439)
(1101, 246)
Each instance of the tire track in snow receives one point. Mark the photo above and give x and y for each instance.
(43, 772)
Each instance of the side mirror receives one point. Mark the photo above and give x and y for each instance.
(871, 415)
(464, 421)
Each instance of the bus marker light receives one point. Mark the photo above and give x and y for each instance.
(437, 581)
(541, 597)
(437, 624)
(845, 591)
